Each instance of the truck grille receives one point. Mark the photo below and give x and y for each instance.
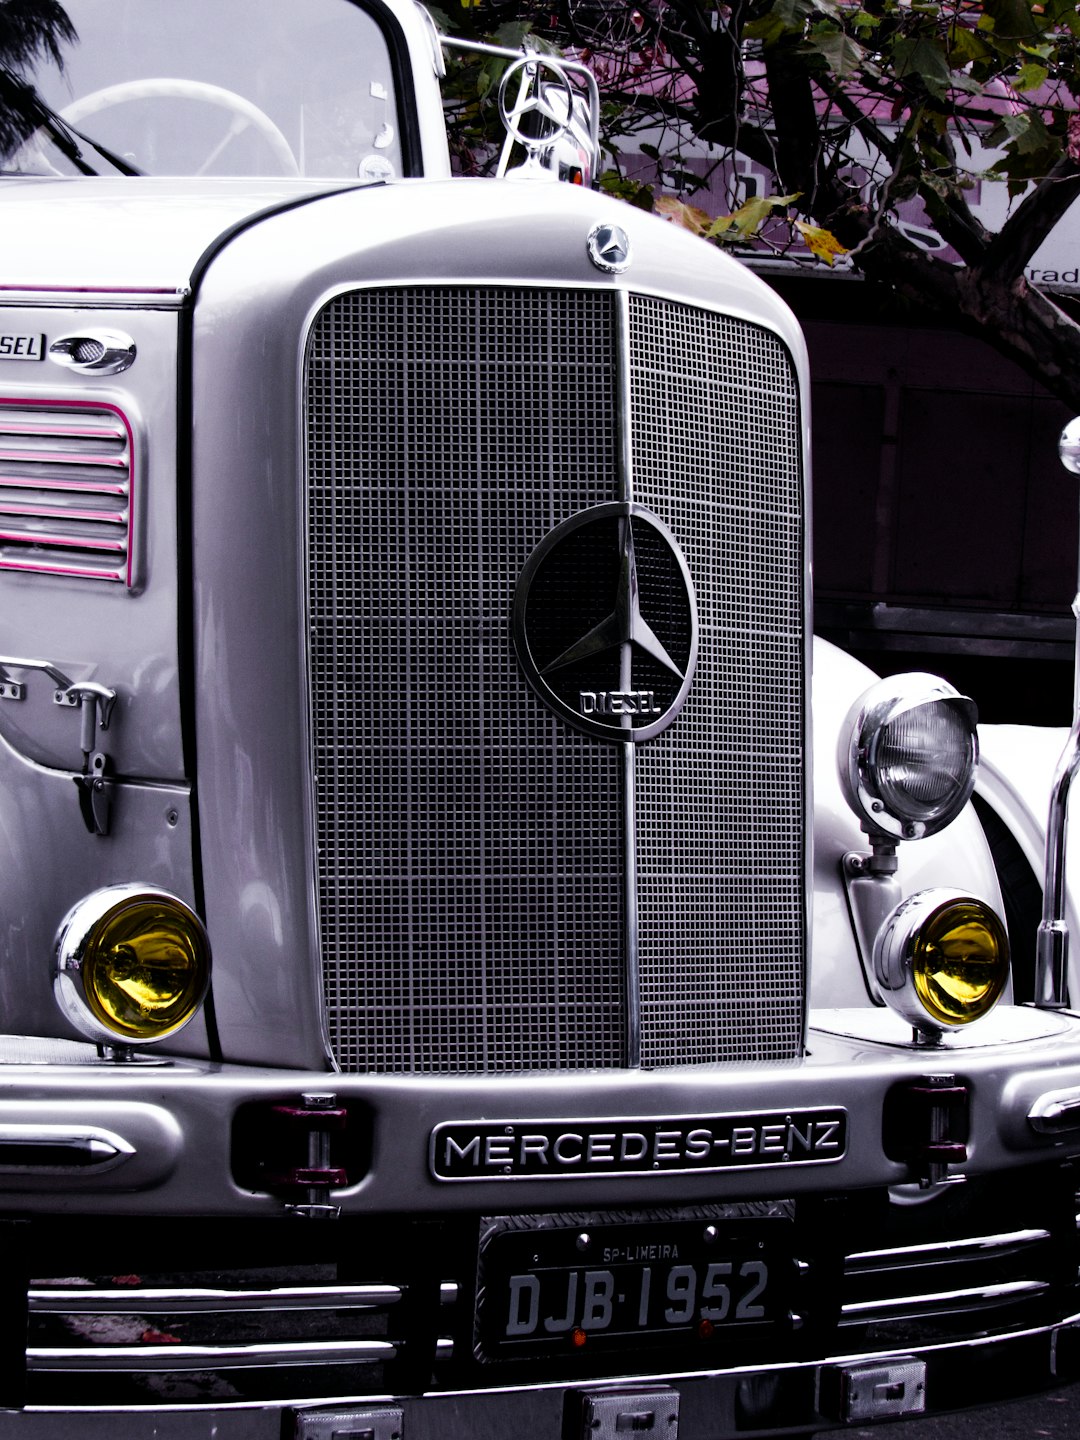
(66, 471)
(471, 850)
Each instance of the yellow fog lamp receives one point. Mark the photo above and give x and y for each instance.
(908, 755)
(942, 960)
(132, 965)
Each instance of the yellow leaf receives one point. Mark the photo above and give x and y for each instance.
(822, 243)
(689, 217)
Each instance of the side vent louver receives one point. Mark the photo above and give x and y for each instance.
(66, 473)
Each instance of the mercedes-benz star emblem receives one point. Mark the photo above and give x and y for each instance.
(609, 248)
(547, 95)
(605, 622)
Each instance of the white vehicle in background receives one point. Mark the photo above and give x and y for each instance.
(404, 593)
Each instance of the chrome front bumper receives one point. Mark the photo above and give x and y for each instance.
(717, 1405)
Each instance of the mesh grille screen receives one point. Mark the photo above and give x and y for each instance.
(469, 842)
(470, 851)
(720, 795)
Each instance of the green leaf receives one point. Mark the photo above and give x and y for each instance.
(967, 47)
(1030, 77)
(1012, 19)
(512, 34)
(1026, 132)
(1064, 13)
(632, 191)
(783, 19)
(923, 56)
(843, 55)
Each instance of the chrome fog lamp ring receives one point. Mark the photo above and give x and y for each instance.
(131, 965)
(908, 755)
(942, 960)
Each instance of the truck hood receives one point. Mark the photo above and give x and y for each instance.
(119, 235)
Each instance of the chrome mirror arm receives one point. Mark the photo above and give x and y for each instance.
(1052, 942)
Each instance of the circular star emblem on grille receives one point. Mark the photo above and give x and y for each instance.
(605, 622)
(609, 247)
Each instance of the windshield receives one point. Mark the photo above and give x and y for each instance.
(209, 87)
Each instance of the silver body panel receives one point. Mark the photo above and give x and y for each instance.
(125, 250)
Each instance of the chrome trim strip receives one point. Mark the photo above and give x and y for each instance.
(79, 297)
(140, 1359)
(994, 1343)
(47, 1301)
(905, 1305)
(81, 1148)
(942, 1251)
(1004, 1344)
(67, 457)
(1056, 1111)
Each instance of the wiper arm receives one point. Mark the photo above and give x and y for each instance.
(117, 162)
(66, 139)
(32, 113)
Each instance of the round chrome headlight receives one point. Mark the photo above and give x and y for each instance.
(942, 960)
(132, 965)
(908, 756)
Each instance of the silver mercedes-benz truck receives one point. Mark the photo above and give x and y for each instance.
(453, 984)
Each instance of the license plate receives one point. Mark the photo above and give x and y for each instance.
(582, 1287)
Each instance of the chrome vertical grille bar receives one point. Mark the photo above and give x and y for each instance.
(632, 977)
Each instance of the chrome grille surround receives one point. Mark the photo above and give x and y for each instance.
(478, 902)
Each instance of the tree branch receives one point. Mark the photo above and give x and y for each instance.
(1012, 316)
(1032, 221)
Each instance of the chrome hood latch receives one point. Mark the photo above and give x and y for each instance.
(95, 705)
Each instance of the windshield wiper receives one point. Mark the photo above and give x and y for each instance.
(66, 138)
(31, 113)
